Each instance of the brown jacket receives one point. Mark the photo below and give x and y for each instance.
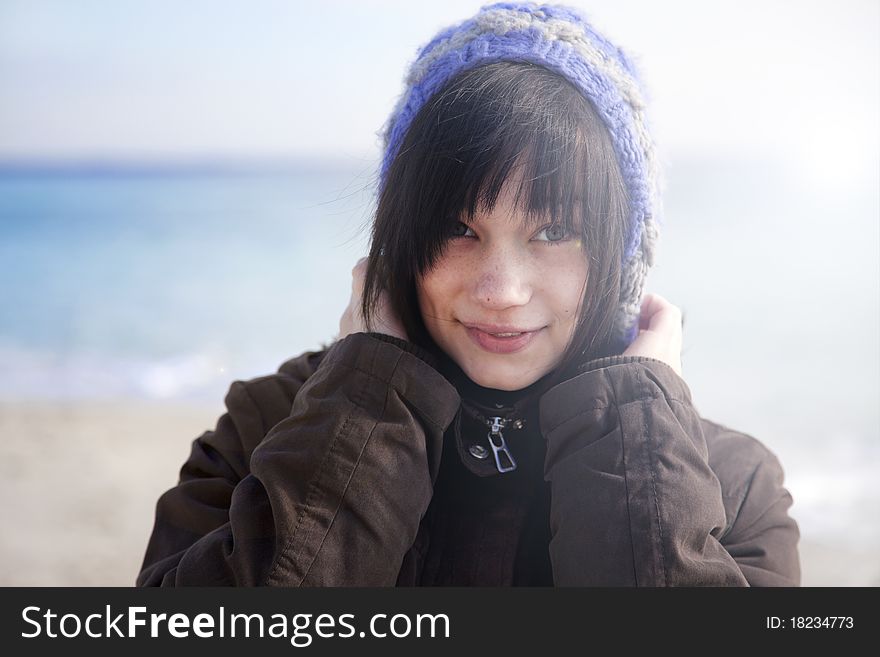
(321, 474)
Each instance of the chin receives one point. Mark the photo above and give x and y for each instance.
(491, 377)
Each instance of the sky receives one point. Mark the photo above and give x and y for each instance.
(165, 80)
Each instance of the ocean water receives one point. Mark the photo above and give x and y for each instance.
(169, 285)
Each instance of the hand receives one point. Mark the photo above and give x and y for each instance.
(352, 320)
(659, 332)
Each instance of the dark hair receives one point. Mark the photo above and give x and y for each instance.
(486, 125)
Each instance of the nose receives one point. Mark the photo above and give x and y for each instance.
(503, 279)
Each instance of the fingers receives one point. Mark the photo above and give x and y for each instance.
(351, 320)
(658, 314)
(360, 267)
(660, 334)
(358, 275)
(383, 318)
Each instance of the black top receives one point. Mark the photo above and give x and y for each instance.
(488, 528)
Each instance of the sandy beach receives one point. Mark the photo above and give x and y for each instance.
(80, 484)
(80, 481)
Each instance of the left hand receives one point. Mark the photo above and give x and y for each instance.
(659, 332)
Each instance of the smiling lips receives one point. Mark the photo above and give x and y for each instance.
(500, 339)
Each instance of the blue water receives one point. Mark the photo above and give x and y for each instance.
(171, 286)
(167, 285)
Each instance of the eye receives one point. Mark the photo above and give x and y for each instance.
(553, 233)
(461, 230)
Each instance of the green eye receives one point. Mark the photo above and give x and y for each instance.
(554, 233)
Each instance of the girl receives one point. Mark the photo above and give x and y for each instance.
(502, 406)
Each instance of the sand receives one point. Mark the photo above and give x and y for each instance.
(80, 482)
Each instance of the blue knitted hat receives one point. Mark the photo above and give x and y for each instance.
(561, 40)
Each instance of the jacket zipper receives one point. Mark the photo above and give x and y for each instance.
(498, 444)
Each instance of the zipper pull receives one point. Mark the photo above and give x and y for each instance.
(499, 448)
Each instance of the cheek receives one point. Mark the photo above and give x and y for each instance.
(575, 298)
(435, 293)
(425, 303)
(568, 290)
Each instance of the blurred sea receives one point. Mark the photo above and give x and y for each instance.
(169, 284)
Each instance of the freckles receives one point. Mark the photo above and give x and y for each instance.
(447, 264)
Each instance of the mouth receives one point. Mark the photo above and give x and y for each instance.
(501, 339)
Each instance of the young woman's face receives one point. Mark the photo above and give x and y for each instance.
(503, 298)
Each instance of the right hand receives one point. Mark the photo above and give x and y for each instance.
(352, 320)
